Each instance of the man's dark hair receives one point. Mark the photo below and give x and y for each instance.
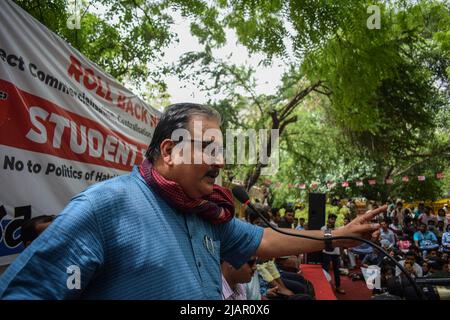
(289, 209)
(436, 263)
(275, 211)
(176, 116)
(29, 232)
(301, 219)
(251, 215)
(332, 215)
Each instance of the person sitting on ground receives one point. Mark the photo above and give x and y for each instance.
(372, 259)
(404, 243)
(286, 284)
(233, 279)
(427, 216)
(407, 214)
(425, 269)
(409, 227)
(411, 257)
(446, 240)
(442, 216)
(388, 262)
(425, 240)
(437, 269)
(387, 234)
(396, 227)
(432, 227)
(440, 230)
(417, 253)
(32, 228)
(409, 269)
(433, 255)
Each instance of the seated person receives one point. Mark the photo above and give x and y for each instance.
(440, 230)
(396, 227)
(425, 269)
(362, 250)
(446, 240)
(233, 280)
(288, 263)
(433, 255)
(409, 227)
(288, 283)
(404, 244)
(269, 272)
(411, 258)
(437, 269)
(32, 228)
(433, 227)
(409, 269)
(387, 234)
(425, 240)
(372, 259)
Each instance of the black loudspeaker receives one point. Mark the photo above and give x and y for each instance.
(316, 220)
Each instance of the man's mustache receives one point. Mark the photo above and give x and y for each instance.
(213, 173)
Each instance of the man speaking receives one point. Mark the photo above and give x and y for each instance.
(158, 232)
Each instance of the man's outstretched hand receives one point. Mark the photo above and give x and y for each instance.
(361, 227)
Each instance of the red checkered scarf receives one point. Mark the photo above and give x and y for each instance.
(216, 208)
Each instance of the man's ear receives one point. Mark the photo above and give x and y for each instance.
(166, 148)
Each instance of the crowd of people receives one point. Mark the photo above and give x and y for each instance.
(418, 239)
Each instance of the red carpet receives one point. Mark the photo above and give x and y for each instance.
(322, 288)
(354, 290)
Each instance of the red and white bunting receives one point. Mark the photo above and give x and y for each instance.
(315, 185)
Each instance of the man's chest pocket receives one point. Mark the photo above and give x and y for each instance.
(210, 269)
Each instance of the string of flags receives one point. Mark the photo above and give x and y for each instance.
(346, 184)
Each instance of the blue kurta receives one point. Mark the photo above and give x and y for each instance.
(128, 244)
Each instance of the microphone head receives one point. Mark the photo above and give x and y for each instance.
(240, 194)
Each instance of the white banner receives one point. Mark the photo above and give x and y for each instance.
(372, 275)
(64, 124)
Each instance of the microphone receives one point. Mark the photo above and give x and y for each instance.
(242, 196)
